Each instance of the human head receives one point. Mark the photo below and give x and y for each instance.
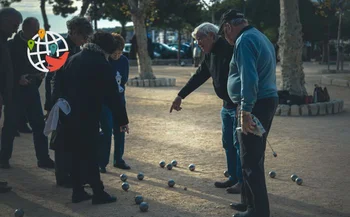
(10, 19)
(30, 27)
(105, 41)
(79, 30)
(206, 34)
(231, 24)
(120, 46)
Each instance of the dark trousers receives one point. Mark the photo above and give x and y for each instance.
(29, 102)
(63, 167)
(254, 192)
(48, 100)
(87, 160)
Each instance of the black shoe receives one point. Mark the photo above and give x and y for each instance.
(80, 197)
(103, 170)
(48, 163)
(3, 184)
(103, 198)
(122, 166)
(249, 213)
(236, 189)
(225, 184)
(5, 165)
(239, 207)
(24, 129)
(17, 134)
(5, 189)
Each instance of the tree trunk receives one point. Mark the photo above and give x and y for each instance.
(123, 30)
(290, 47)
(138, 18)
(43, 13)
(84, 7)
(164, 37)
(179, 46)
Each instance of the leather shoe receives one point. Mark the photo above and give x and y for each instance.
(80, 197)
(239, 207)
(48, 163)
(249, 213)
(225, 184)
(5, 165)
(122, 166)
(103, 198)
(5, 189)
(236, 189)
(3, 184)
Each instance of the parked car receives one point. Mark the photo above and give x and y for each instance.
(185, 48)
(166, 52)
(127, 48)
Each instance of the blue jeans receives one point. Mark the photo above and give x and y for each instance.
(230, 144)
(108, 126)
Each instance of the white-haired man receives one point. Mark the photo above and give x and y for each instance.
(218, 54)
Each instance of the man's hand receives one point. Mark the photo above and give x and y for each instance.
(23, 80)
(46, 115)
(247, 123)
(176, 104)
(124, 128)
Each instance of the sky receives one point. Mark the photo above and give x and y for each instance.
(31, 8)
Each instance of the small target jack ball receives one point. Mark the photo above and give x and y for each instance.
(192, 167)
(140, 176)
(123, 177)
(299, 181)
(272, 174)
(144, 207)
(125, 186)
(162, 164)
(19, 213)
(171, 183)
(174, 163)
(293, 177)
(226, 174)
(169, 166)
(138, 199)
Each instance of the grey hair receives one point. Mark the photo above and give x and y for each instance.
(79, 24)
(238, 21)
(205, 29)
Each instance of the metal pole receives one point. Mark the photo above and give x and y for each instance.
(338, 40)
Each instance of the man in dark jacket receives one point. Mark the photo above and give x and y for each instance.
(218, 54)
(10, 19)
(29, 101)
(79, 28)
(87, 82)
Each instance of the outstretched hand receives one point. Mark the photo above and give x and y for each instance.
(176, 104)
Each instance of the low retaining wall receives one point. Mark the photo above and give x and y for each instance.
(158, 82)
(314, 109)
(335, 81)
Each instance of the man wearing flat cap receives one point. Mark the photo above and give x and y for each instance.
(252, 85)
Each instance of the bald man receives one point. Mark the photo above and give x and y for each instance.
(27, 100)
(10, 19)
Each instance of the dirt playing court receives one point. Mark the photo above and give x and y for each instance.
(315, 148)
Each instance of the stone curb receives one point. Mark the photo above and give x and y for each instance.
(158, 82)
(328, 80)
(314, 109)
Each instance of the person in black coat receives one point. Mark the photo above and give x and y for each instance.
(87, 82)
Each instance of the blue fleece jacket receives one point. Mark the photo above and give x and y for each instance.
(121, 70)
(252, 73)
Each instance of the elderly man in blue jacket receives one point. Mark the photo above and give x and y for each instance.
(252, 85)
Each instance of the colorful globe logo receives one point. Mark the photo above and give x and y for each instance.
(47, 51)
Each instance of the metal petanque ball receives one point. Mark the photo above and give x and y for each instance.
(174, 163)
(274, 154)
(125, 186)
(140, 176)
(293, 177)
(192, 167)
(272, 174)
(226, 174)
(143, 206)
(171, 183)
(138, 199)
(169, 166)
(162, 164)
(123, 177)
(299, 181)
(19, 213)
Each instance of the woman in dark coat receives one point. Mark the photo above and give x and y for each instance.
(87, 82)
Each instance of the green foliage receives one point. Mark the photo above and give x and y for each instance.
(7, 3)
(63, 7)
